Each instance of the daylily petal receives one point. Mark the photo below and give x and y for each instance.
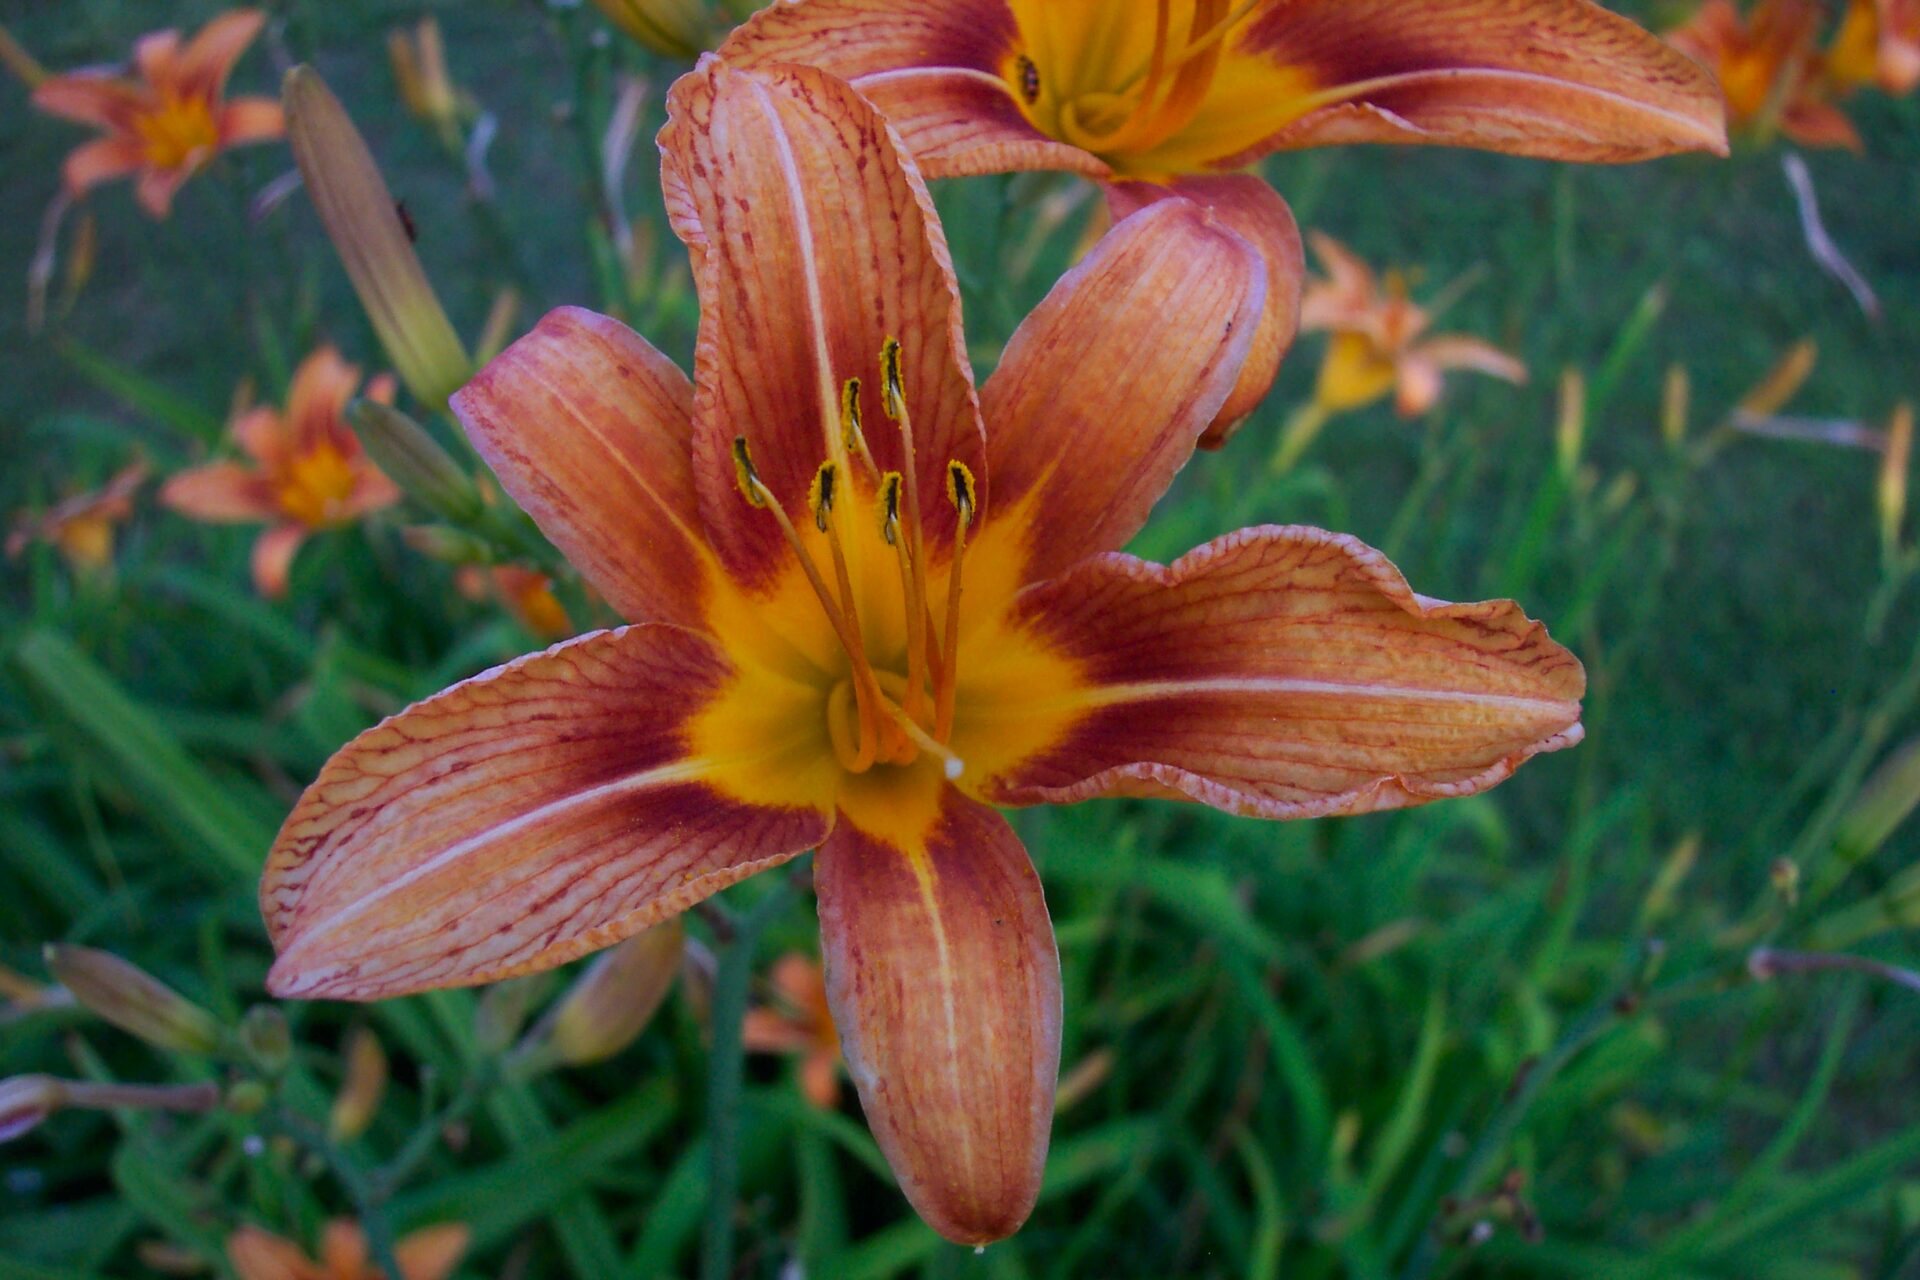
(587, 426)
(322, 386)
(937, 69)
(1289, 673)
(156, 56)
(251, 120)
(155, 188)
(261, 1255)
(1820, 124)
(1105, 388)
(945, 985)
(202, 67)
(1418, 383)
(102, 160)
(813, 242)
(769, 1031)
(1245, 203)
(220, 492)
(1457, 351)
(273, 553)
(1560, 79)
(432, 1253)
(372, 491)
(262, 434)
(515, 821)
(820, 1080)
(89, 97)
(1349, 292)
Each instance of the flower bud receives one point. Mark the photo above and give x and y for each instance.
(1771, 394)
(503, 1010)
(365, 227)
(447, 544)
(133, 1000)
(420, 73)
(610, 1004)
(1784, 876)
(1570, 435)
(1676, 398)
(264, 1035)
(671, 28)
(1895, 460)
(248, 1098)
(362, 1085)
(24, 1102)
(414, 460)
(1889, 796)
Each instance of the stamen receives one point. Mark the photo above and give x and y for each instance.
(913, 562)
(744, 475)
(890, 507)
(851, 433)
(820, 496)
(866, 688)
(964, 495)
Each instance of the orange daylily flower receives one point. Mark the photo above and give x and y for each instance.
(428, 1254)
(1169, 98)
(166, 122)
(1879, 44)
(1380, 342)
(1770, 67)
(525, 593)
(82, 526)
(305, 470)
(801, 1023)
(870, 604)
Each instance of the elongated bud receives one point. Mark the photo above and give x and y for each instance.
(1891, 495)
(498, 329)
(264, 1035)
(503, 1010)
(447, 544)
(1570, 435)
(414, 460)
(1661, 895)
(671, 28)
(133, 1000)
(1676, 399)
(365, 227)
(1771, 394)
(610, 1004)
(1887, 800)
(25, 1101)
(362, 1084)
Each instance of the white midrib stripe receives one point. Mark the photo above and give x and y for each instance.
(1107, 695)
(921, 73)
(829, 391)
(645, 779)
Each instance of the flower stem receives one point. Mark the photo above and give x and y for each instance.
(730, 988)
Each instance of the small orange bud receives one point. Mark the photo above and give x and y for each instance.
(362, 1085)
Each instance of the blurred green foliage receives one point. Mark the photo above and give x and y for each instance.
(1513, 1035)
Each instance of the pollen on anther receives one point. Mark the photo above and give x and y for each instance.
(850, 415)
(745, 476)
(820, 495)
(895, 390)
(890, 507)
(961, 491)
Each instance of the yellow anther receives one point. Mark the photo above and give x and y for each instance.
(820, 496)
(745, 476)
(895, 392)
(961, 491)
(890, 507)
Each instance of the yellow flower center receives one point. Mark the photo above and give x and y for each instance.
(1094, 80)
(1356, 373)
(859, 685)
(879, 713)
(315, 486)
(86, 540)
(178, 131)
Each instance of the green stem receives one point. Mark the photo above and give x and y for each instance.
(730, 987)
(368, 1203)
